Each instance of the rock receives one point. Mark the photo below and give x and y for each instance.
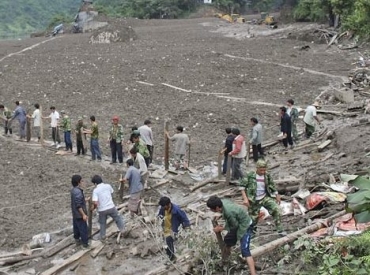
(344, 95)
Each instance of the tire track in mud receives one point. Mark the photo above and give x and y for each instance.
(341, 77)
(27, 49)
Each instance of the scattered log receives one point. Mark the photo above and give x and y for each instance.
(162, 182)
(19, 258)
(323, 145)
(202, 183)
(68, 261)
(333, 39)
(337, 113)
(98, 249)
(270, 143)
(59, 246)
(306, 146)
(20, 253)
(263, 249)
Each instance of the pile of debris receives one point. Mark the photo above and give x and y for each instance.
(109, 34)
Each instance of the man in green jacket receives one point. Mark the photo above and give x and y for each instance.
(258, 189)
(67, 127)
(238, 226)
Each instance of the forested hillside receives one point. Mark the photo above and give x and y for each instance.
(25, 16)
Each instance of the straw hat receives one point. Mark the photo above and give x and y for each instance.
(316, 104)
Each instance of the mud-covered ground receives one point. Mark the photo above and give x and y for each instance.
(102, 80)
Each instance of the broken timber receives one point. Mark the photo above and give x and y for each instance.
(67, 261)
(323, 145)
(295, 235)
(202, 183)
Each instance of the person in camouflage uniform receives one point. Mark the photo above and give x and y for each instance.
(141, 147)
(238, 225)
(94, 139)
(67, 127)
(258, 189)
(294, 114)
(79, 136)
(116, 140)
(6, 114)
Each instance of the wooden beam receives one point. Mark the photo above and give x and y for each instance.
(202, 183)
(90, 215)
(68, 261)
(41, 128)
(263, 249)
(323, 145)
(220, 241)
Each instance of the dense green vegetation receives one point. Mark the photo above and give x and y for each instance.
(354, 15)
(19, 17)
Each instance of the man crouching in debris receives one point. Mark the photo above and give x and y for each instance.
(258, 189)
(172, 217)
(239, 227)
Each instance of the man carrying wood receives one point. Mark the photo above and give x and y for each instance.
(172, 217)
(135, 187)
(238, 225)
(310, 119)
(258, 189)
(102, 199)
(79, 212)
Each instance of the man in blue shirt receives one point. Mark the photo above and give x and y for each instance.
(133, 178)
(79, 212)
(173, 217)
(20, 114)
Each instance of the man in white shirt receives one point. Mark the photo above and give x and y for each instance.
(146, 135)
(310, 119)
(54, 123)
(139, 163)
(36, 116)
(102, 200)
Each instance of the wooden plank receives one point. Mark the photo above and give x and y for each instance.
(323, 145)
(78, 255)
(220, 241)
(41, 128)
(166, 147)
(97, 250)
(202, 183)
(90, 216)
(263, 249)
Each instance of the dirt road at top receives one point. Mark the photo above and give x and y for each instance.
(107, 79)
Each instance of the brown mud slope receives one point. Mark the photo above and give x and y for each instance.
(107, 79)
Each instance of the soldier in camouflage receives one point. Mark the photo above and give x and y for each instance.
(116, 140)
(294, 114)
(66, 126)
(6, 114)
(258, 189)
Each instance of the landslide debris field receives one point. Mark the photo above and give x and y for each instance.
(191, 72)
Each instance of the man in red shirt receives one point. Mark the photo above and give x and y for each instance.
(238, 153)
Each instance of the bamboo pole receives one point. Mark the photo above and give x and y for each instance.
(228, 174)
(166, 147)
(295, 235)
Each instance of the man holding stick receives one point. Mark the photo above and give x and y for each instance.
(238, 225)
